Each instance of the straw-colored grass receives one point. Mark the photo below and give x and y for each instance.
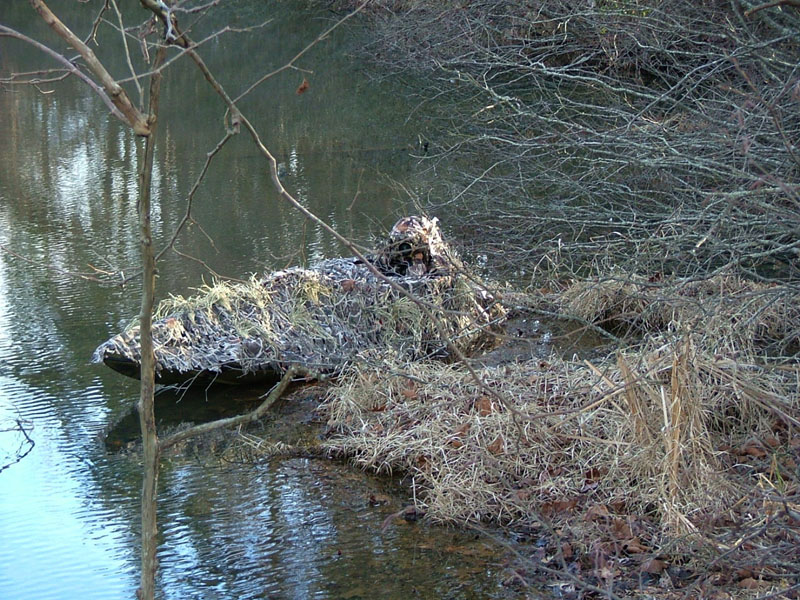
(644, 429)
(321, 318)
(412, 298)
(669, 443)
(732, 314)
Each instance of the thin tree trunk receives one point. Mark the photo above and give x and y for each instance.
(147, 420)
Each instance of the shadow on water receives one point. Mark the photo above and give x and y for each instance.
(299, 525)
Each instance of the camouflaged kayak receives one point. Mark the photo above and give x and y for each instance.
(321, 318)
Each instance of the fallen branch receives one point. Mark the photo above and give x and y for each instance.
(250, 417)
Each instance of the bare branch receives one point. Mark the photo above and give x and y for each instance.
(272, 397)
(8, 32)
(290, 64)
(794, 3)
(128, 54)
(114, 91)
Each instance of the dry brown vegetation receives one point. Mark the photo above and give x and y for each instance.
(634, 162)
(678, 452)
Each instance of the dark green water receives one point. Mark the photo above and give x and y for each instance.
(69, 510)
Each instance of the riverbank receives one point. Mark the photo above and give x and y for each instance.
(629, 164)
(667, 467)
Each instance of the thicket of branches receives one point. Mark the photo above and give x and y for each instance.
(658, 137)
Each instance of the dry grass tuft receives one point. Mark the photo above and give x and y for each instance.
(644, 430)
(732, 315)
(685, 436)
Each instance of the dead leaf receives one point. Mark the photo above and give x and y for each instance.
(566, 550)
(653, 566)
(622, 530)
(348, 285)
(496, 447)
(597, 511)
(303, 87)
(485, 406)
(748, 583)
(523, 495)
(557, 506)
(594, 474)
(409, 393)
(378, 499)
(635, 546)
(462, 430)
(617, 505)
(753, 449)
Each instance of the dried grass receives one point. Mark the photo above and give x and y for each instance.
(658, 429)
(733, 315)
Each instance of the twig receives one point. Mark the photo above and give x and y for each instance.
(250, 417)
(54, 269)
(774, 3)
(8, 32)
(189, 199)
(31, 444)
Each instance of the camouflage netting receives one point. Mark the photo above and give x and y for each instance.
(321, 318)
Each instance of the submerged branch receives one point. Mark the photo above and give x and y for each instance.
(250, 417)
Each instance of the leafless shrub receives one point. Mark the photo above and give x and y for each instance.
(658, 137)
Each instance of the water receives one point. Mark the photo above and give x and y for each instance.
(69, 510)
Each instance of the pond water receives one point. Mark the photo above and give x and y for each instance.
(69, 509)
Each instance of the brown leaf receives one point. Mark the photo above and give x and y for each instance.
(622, 530)
(597, 511)
(303, 87)
(348, 285)
(496, 447)
(557, 506)
(654, 566)
(635, 546)
(485, 406)
(378, 499)
(409, 393)
(748, 583)
(523, 494)
(462, 430)
(566, 550)
(594, 474)
(617, 505)
(753, 449)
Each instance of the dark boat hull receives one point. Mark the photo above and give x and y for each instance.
(228, 375)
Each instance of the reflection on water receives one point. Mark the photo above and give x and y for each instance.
(69, 510)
